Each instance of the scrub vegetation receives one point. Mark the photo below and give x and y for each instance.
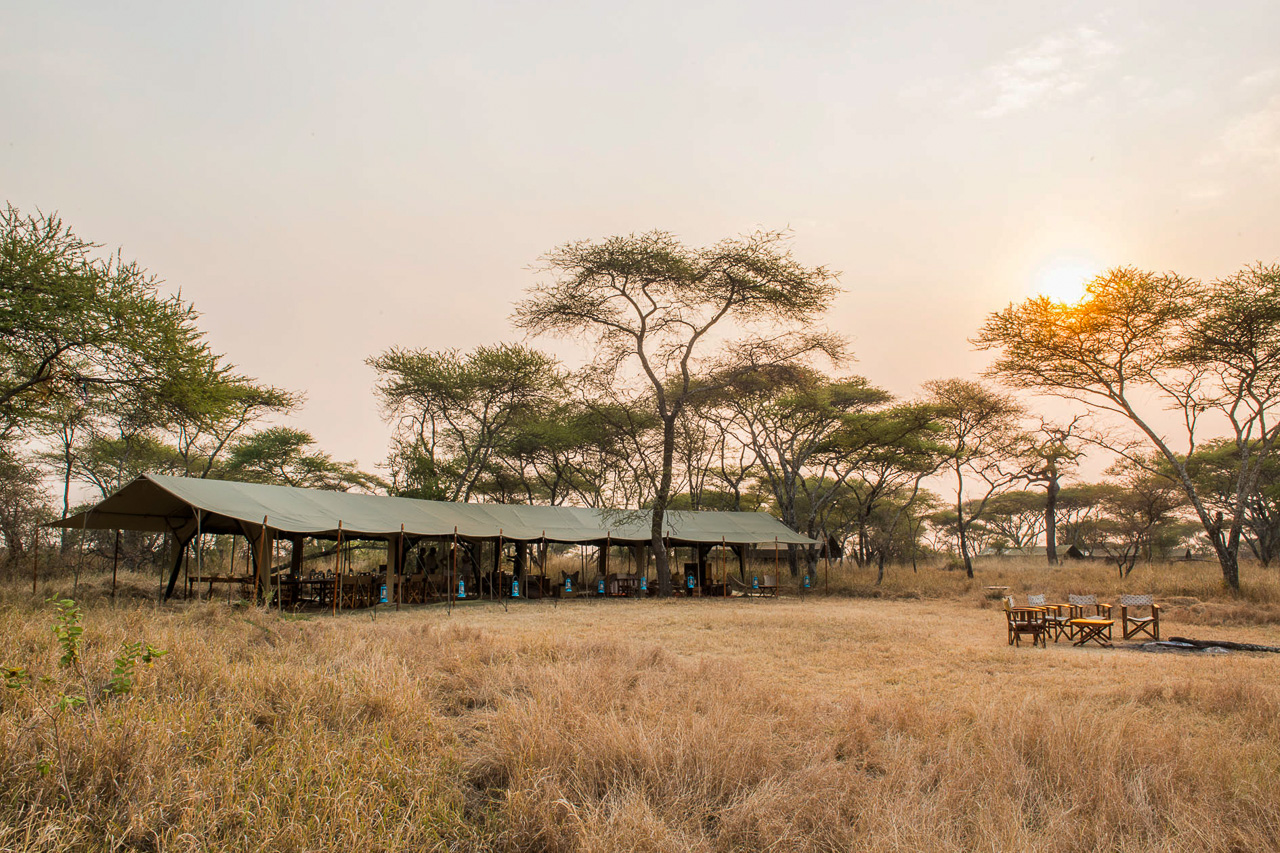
(876, 717)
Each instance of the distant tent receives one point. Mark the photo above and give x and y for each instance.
(187, 507)
(160, 503)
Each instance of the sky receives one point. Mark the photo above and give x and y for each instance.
(327, 180)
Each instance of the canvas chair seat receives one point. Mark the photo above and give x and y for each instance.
(1136, 624)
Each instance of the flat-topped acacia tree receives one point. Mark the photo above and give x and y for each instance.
(1140, 344)
(679, 315)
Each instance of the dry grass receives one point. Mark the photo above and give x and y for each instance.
(837, 723)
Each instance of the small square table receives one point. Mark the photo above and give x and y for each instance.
(1092, 630)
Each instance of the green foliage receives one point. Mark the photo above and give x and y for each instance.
(285, 456)
(73, 323)
(68, 630)
(454, 411)
(1140, 343)
(121, 681)
(54, 698)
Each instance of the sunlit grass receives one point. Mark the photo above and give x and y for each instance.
(840, 722)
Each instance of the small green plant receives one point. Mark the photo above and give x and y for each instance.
(72, 692)
(130, 653)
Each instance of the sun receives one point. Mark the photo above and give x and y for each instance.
(1063, 279)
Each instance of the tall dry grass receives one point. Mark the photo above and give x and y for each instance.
(832, 723)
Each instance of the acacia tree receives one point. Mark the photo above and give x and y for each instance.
(1053, 452)
(1142, 343)
(287, 457)
(1019, 517)
(804, 430)
(1214, 468)
(453, 410)
(1140, 512)
(650, 303)
(1079, 515)
(73, 322)
(982, 444)
(205, 418)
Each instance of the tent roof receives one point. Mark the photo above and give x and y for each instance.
(157, 502)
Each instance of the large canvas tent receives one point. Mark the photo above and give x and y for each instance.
(185, 506)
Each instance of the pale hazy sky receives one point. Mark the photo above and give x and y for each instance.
(325, 180)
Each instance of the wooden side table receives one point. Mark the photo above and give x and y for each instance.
(1092, 631)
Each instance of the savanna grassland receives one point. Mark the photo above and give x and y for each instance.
(890, 718)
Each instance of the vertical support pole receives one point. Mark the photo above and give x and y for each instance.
(453, 567)
(84, 532)
(115, 564)
(399, 566)
(199, 555)
(776, 576)
(495, 571)
(35, 559)
(724, 562)
(279, 579)
(337, 571)
(263, 573)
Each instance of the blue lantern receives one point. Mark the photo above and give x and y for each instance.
(568, 584)
(644, 584)
(600, 587)
(515, 588)
(755, 582)
(688, 581)
(383, 594)
(806, 580)
(462, 589)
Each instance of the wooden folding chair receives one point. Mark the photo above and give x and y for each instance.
(1149, 624)
(1056, 616)
(1025, 620)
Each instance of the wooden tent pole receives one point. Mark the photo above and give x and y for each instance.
(453, 568)
(84, 532)
(775, 565)
(35, 558)
(496, 591)
(724, 564)
(261, 583)
(400, 567)
(337, 570)
(199, 556)
(115, 564)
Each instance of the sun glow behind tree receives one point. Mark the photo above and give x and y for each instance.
(1063, 278)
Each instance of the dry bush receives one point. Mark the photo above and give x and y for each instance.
(822, 724)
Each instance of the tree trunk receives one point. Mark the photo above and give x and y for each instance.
(660, 501)
(1051, 521)
(963, 531)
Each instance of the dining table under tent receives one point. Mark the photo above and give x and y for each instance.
(188, 509)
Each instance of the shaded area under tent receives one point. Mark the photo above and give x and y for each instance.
(188, 508)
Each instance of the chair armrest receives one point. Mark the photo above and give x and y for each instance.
(1155, 609)
(1106, 607)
